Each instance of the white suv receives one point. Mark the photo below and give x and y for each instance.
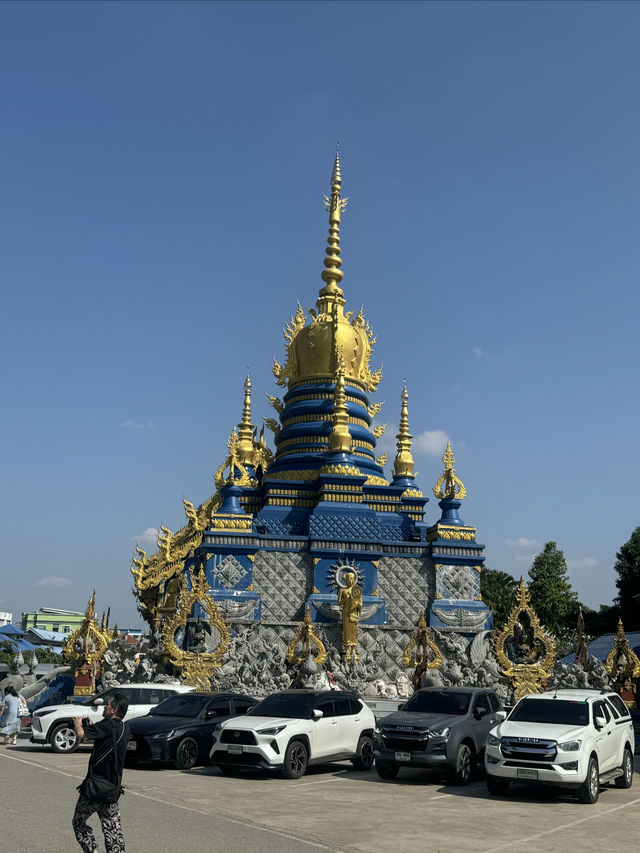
(576, 739)
(287, 731)
(53, 724)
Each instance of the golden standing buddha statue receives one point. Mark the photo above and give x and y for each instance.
(350, 599)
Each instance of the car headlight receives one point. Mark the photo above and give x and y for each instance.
(274, 730)
(492, 740)
(570, 745)
(162, 735)
(445, 731)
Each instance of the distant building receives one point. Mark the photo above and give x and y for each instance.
(5, 619)
(50, 619)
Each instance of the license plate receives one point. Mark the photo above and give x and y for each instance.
(235, 749)
(403, 756)
(132, 745)
(526, 773)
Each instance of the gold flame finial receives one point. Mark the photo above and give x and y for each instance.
(332, 275)
(340, 438)
(403, 465)
(453, 485)
(245, 448)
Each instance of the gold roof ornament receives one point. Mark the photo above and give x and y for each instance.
(299, 648)
(340, 438)
(622, 662)
(535, 659)
(235, 466)
(417, 652)
(311, 349)
(453, 485)
(403, 465)
(197, 666)
(245, 445)
(581, 657)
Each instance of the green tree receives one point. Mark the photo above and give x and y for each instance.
(498, 591)
(7, 654)
(628, 582)
(552, 595)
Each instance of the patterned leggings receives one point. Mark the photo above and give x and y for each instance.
(109, 815)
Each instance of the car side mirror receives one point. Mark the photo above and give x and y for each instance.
(479, 713)
(99, 701)
(317, 714)
(211, 714)
(600, 722)
(501, 716)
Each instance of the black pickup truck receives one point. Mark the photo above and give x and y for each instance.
(437, 728)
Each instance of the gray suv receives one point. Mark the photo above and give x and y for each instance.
(437, 728)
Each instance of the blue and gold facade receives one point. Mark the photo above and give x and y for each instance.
(285, 526)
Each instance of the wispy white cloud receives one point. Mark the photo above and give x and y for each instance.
(147, 537)
(522, 542)
(478, 352)
(583, 563)
(431, 442)
(525, 558)
(130, 424)
(53, 582)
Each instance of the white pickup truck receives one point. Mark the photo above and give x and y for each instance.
(577, 739)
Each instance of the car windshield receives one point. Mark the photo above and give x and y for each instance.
(438, 702)
(294, 705)
(184, 705)
(559, 711)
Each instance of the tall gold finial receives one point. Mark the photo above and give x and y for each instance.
(453, 485)
(332, 275)
(403, 465)
(245, 448)
(340, 438)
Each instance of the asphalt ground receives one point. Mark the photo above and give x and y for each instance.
(332, 808)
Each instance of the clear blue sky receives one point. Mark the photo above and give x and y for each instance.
(163, 166)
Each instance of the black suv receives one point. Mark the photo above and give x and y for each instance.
(438, 727)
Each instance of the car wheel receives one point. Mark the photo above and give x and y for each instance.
(386, 771)
(590, 789)
(626, 779)
(496, 786)
(64, 739)
(364, 754)
(461, 772)
(186, 754)
(296, 759)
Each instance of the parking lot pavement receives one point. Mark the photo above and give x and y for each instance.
(331, 808)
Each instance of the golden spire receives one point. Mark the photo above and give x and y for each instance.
(453, 485)
(332, 275)
(403, 465)
(245, 448)
(340, 437)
